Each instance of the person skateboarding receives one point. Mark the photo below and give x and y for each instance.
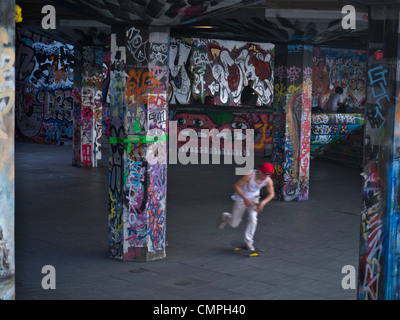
(247, 198)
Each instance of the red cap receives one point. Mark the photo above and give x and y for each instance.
(267, 168)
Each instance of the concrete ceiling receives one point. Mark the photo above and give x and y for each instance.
(283, 21)
(316, 22)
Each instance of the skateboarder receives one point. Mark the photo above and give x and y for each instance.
(247, 197)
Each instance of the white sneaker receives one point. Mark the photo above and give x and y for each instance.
(249, 245)
(220, 222)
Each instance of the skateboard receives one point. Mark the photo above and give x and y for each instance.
(240, 246)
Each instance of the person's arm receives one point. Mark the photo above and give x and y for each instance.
(241, 182)
(268, 198)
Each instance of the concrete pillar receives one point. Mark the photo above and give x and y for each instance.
(279, 119)
(293, 92)
(379, 264)
(7, 132)
(87, 128)
(138, 157)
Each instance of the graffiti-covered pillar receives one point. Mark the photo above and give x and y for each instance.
(379, 264)
(7, 132)
(88, 99)
(296, 82)
(138, 140)
(279, 119)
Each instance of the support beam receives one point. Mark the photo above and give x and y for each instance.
(88, 100)
(138, 159)
(293, 91)
(379, 264)
(7, 132)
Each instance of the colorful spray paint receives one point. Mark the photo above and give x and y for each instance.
(138, 158)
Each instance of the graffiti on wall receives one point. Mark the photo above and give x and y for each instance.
(339, 67)
(379, 243)
(280, 87)
(278, 153)
(44, 89)
(221, 69)
(88, 103)
(305, 134)
(7, 196)
(138, 105)
(291, 189)
(372, 234)
(208, 120)
(117, 149)
(373, 217)
(106, 114)
(330, 127)
(147, 94)
(298, 75)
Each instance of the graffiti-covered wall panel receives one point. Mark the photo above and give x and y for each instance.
(7, 195)
(44, 89)
(261, 123)
(221, 69)
(329, 128)
(339, 67)
(298, 77)
(88, 104)
(379, 260)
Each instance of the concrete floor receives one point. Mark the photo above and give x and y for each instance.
(62, 214)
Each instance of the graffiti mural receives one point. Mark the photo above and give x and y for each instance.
(339, 67)
(329, 127)
(298, 75)
(44, 89)
(373, 250)
(291, 187)
(138, 159)
(221, 69)
(379, 260)
(106, 112)
(278, 153)
(372, 233)
(7, 196)
(88, 103)
(117, 149)
(208, 120)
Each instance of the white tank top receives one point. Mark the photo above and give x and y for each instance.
(251, 189)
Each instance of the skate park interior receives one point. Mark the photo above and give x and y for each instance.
(68, 212)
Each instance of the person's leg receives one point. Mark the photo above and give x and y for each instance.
(232, 219)
(251, 228)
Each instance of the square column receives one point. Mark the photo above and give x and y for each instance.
(138, 139)
(279, 119)
(293, 94)
(379, 262)
(7, 133)
(88, 100)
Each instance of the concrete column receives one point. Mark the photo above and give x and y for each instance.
(379, 265)
(138, 157)
(87, 129)
(293, 91)
(7, 132)
(279, 119)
